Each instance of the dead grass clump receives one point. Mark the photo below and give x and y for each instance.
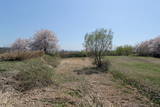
(20, 55)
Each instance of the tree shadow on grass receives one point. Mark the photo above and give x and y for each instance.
(89, 71)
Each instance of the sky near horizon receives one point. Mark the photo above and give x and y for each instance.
(132, 21)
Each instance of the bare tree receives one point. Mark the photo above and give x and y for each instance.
(45, 40)
(98, 43)
(20, 45)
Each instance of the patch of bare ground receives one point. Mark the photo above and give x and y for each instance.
(77, 84)
(96, 88)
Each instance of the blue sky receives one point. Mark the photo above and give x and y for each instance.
(132, 21)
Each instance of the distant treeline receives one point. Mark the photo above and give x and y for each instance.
(4, 50)
(122, 51)
(119, 51)
(145, 48)
(67, 54)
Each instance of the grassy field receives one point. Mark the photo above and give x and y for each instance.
(72, 82)
(141, 72)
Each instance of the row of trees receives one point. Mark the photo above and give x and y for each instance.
(97, 45)
(124, 50)
(44, 40)
(149, 48)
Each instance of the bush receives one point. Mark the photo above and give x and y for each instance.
(34, 74)
(20, 55)
(105, 65)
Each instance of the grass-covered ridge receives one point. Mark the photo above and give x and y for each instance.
(20, 55)
(27, 74)
(141, 72)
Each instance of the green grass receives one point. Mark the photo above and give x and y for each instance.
(21, 65)
(36, 72)
(141, 72)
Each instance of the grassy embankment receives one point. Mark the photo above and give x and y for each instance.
(140, 72)
(27, 74)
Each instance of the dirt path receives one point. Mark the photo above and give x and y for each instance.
(77, 84)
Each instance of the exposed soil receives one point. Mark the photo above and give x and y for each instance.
(77, 84)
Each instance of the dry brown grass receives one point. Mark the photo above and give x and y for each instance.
(20, 55)
(72, 90)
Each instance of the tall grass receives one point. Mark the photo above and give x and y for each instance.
(20, 55)
(33, 74)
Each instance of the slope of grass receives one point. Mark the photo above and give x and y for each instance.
(36, 72)
(20, 65)
(140, 72)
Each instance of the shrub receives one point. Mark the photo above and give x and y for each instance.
(105, 65)
(20, 55)
(34, 74)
